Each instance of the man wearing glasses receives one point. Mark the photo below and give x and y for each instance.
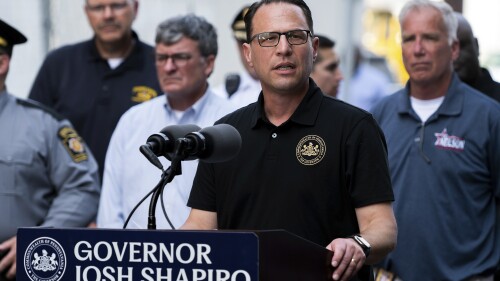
(94, 82)
(309, 164)
(185, 53)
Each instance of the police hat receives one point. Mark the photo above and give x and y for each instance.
(238, 25)
(9, 37)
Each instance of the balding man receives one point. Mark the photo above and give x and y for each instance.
(467, 64)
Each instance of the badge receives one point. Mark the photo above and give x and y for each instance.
(449, 142)
(73, 144)
(143, 93)
(310, 150)
(45, 260)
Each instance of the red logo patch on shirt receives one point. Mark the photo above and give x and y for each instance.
(445, 141)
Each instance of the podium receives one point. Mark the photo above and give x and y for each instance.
(81, 254)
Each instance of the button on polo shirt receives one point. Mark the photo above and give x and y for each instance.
(313, 156)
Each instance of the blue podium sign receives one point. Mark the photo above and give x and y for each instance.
(83, 254)
(49, 254)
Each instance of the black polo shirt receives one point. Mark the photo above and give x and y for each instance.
(79, 84)
(305, 176)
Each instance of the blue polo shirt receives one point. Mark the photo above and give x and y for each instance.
(445, 175)
(79, 84)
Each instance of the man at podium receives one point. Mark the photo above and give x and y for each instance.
(309, 164)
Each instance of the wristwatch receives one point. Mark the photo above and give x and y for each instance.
(363, 243)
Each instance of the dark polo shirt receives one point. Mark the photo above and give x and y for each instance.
(306, 176)
(486, 85)
(79, 84)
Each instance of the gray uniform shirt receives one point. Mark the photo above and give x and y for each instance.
(48, 177)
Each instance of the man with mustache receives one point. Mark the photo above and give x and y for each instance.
(94, 82)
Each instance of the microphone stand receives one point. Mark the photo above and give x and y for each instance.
(174, 169)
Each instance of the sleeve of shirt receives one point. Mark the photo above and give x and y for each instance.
(495, 159)
(367, 164)
(74, 174)
(202, 196)
(110, 214)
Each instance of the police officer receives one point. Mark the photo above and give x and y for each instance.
(48, 177)
(244, 87)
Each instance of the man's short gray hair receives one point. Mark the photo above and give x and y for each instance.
(191, 26)
(443, 8)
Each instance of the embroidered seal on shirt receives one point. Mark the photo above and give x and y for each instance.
(143, 93)
(73, 143)
(310, 150)
(445, 141)
(44, 260)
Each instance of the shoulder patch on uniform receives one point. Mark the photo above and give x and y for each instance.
(35, 104)
(143, 93)
(73, 143)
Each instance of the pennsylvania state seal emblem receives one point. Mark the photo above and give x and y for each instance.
(73, 143)
(310, 150)
(45, 260)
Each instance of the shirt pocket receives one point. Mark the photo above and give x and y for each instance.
(12, 164)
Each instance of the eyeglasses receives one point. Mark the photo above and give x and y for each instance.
(272, 39)
(115, 7)
(179, 59)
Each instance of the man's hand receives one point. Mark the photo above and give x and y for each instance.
(8, 262)
(348, 258)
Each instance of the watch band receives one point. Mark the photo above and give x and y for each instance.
(362, 242)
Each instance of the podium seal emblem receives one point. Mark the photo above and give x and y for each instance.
(45, 260)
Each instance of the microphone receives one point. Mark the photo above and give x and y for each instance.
(162, 144)
(214, 144)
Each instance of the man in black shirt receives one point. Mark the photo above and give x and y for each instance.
(467, 65)
(92, 83)
(310, 164)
